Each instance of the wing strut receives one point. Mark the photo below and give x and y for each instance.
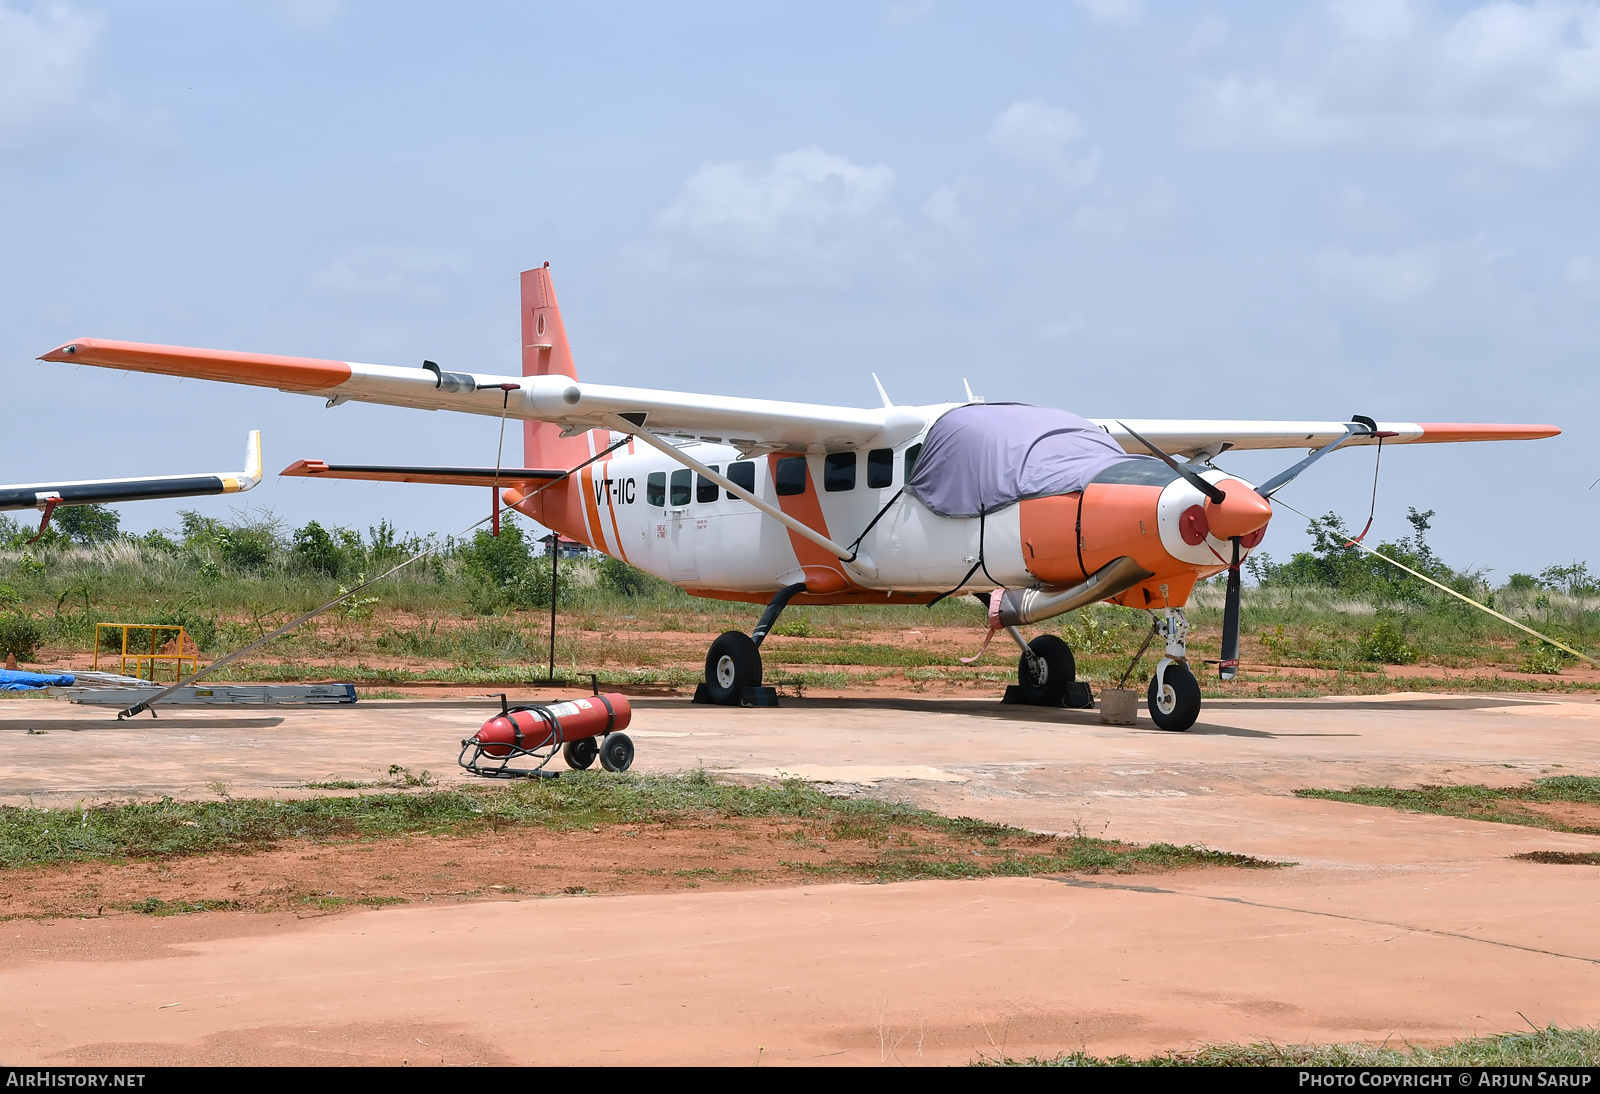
(623, 425)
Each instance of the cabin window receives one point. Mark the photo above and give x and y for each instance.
(880, 468)
(911, 459)
(704, 488)
(791, 476)
(681, 481)
(839, 471)
(742, 474)
(655, 488)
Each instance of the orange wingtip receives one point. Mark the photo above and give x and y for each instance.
(1468, 431)
(260, 369)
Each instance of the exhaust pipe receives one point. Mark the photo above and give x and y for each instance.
(1020, 606)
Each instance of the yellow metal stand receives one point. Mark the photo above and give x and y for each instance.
(184, 649)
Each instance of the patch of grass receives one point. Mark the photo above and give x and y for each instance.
(156, 906)
(1502, 804)
(339, 784)
(1552, 1046)
(578, 800)
(1561, 858)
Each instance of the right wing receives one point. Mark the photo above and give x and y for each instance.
(753, 424)
(53, 495)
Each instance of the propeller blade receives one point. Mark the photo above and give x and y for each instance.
(1284, 478)
(1189, 476)
(1229, 668)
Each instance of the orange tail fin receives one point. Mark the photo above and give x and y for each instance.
(545, 352)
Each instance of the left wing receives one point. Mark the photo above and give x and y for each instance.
(52, 495)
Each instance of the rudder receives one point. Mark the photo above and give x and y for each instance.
(546, 352)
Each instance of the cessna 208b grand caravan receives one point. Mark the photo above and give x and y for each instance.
(1036, 511)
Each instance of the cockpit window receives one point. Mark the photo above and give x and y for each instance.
(839, 471)
(880, 468)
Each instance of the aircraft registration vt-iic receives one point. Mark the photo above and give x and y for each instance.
(1036, 511)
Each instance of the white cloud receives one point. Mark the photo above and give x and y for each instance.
(1392, 277)
(788, 202)
(1039, 135)
(1512, 81)
(1122, 13)
(45, 63)
(312, 14)
(943, 209)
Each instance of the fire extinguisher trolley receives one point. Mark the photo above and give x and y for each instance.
(580, 729)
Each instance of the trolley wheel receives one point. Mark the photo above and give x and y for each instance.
(733, 664)
(1178, 704)
(616, 752)
(1048, 686)
(580, 754)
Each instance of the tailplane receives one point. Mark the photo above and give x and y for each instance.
(545, 352)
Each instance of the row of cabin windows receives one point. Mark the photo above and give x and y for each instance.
(838, 473)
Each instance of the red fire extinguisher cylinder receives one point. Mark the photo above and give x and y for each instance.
(555, 723)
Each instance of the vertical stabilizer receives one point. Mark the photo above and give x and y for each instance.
(545, 352)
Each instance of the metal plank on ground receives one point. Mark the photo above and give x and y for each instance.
(219, 695)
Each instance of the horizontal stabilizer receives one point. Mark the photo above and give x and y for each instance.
(442, 476)
(40, 495)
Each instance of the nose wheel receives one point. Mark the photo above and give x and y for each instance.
(1174, 698)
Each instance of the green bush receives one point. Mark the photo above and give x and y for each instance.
(1545, 659)
(315, 551)
(1385, 644)
(618, 577)
(88, 524)
(20, 636)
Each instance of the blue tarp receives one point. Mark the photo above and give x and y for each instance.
(17, 680)
(985, 456)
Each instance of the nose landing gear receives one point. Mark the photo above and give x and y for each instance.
(1173, 698)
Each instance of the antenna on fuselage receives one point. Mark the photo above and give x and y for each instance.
(971, 398)
(882, 394)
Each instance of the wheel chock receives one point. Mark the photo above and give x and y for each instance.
(758, 697)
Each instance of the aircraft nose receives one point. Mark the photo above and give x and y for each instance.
(1241, 512)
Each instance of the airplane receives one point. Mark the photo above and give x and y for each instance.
(1035, 511)
(50, 496)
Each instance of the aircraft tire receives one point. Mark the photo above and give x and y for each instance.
(1182, 701)
(1056, 661)
(733, 664)
(580, 754)
(616, 752)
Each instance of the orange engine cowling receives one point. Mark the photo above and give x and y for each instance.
(529, 728)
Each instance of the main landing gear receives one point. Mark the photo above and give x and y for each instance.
(1173, 697)
(733, 664)
(1046, 674)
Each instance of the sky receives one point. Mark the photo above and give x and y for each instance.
(1126, 209)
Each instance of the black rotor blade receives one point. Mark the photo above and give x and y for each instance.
(1229, 668)
(1284, 478)
(1193, 480)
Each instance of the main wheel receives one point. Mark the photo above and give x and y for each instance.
(616, 752)
(1045, 680)
(733, 664)
(580, 754)
(1178, 704)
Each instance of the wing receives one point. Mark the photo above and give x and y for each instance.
(441, 476)
(752, 424)
(39, 495)
(1210, 438)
